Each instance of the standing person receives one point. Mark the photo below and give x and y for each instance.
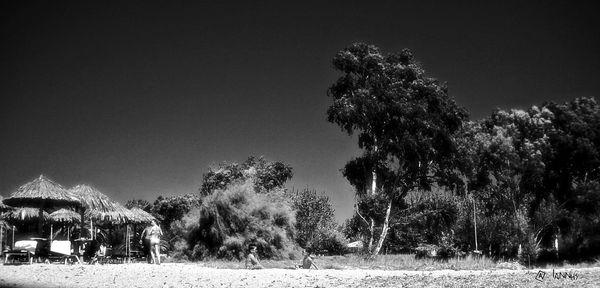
(145, 241)
(252, 259)
(155, 233)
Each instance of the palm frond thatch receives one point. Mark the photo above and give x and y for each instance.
(41, 192)
(24, 214)
(92, 199)
(64, 216)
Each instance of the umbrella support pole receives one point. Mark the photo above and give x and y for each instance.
(127, 244)
(82, 224)
(40, 222)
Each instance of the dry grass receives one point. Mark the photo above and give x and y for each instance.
(406, 262)
(567, 265)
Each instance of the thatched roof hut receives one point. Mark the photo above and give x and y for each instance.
(41, 192)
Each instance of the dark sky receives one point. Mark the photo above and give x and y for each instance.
(139, 98)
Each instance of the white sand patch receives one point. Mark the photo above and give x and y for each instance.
(192, 275)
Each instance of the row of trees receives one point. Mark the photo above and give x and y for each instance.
(243, 204)
(527, 180)
(532, 176)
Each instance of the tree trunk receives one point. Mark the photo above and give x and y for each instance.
(372, 224)
(374, 173)
(384, 231)
(374, 182)
(372, 234)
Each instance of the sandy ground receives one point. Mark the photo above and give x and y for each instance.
(193, 275)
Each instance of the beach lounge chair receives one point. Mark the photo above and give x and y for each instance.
(22, 249)
(61, 250)
(116, 255)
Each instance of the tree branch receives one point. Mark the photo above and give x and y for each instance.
(360, 215)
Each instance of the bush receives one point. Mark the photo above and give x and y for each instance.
(315, 225)
(434, 252)
(230, 220)
(332, 242)
(183, 231)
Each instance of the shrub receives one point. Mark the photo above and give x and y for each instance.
(229, 220)
(332, 242)
(315, 226)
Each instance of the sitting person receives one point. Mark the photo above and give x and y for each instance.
(308, 261)
(100, 255)
(252, 259)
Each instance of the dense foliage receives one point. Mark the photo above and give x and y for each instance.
(232, 219)
(536, 170)
(315, 224)
(530, 182)
(519, 184)
(405, 123)
(265, 175)
(241, 204)
(169, 211)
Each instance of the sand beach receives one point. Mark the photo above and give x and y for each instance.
(194, 275)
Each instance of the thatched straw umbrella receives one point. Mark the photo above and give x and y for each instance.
(63, 216)
(24, 214)
(140, 216)
(137, 216)
(93, 199)
(94, 203)
(3, 208)
(118, 215)
(41, 193)
(123, 216)
(3, 225)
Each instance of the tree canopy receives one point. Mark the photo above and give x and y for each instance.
(316, 228)
(266, 175)
(405, 122)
